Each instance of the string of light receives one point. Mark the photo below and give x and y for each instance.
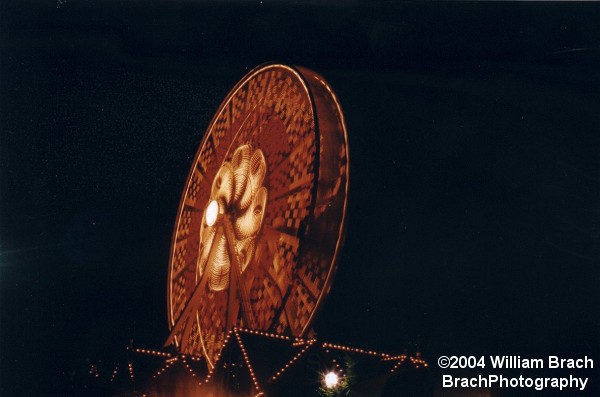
(211, 370)
(417, 361)
(267, 334)
(354, 350)
(130, 367)
(156, 353)
(188, 367)
(94, 371)
(309, 343)
(246, 358)
(114, 373)
(395, 358)
(162, 369)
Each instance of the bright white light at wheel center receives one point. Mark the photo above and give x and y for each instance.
(331, 380)
(211, 212)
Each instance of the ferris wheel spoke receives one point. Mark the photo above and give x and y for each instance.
(275, 233)
(292, 189)
(232, 310)
(243, 294)
(188, 310)
(233, 304)
(283, 311)
(187, 331)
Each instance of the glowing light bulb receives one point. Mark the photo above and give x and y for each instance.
(211, 212)
(331, 380)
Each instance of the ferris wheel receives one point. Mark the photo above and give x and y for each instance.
(261, 219)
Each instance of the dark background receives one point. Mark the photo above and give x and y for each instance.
(475, 177)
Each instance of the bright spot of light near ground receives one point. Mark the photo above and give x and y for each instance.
(331, 380)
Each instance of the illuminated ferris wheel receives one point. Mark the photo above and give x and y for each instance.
(261, 218)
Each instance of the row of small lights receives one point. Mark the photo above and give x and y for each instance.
(395, 367)
(210, 371)
(395, 358)
(268, 334)
(152, 352)
(114, 374)
(417, 362)
(340, 369)
(94, 371)
(286, 366)
(162, 370)
(168, 362)
(246, 358)
(191, 371)
(355, 350)
(130, 367)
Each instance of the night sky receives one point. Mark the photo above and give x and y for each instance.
(474, 132)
